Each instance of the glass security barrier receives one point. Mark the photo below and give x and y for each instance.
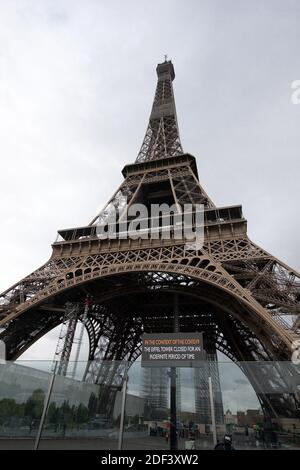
(113, 405)
(83, 414)
(23, 389)
(147, 408)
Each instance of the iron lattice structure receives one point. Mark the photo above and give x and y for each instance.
(245, 300)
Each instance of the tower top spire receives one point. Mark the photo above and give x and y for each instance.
(165, 68)
(162, 136)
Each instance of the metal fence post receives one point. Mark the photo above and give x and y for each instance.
(45, 409)
(123, 408)
(212, 410)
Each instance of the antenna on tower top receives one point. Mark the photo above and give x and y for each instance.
(166, 58)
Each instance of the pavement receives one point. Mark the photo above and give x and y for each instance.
(142, 443)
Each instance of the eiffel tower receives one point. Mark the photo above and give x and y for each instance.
(244, 299)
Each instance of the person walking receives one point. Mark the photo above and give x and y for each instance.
(226, 444)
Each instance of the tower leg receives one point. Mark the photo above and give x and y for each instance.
(66, 338)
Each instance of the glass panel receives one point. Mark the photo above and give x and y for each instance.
(261, 404)
(23, 389)
(147, 408)
(256, 403)
(84, 415)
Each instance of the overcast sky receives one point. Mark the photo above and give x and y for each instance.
(77, 80)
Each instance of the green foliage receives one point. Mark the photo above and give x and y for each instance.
(35, 403)
(9, 408)
(57, 415)
(93, 404)
(82, 414)
(66, 414)
(53, 413)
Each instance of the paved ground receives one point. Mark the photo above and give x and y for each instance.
(143, 443)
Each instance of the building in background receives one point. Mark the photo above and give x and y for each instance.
(209, 368)
(156, 385)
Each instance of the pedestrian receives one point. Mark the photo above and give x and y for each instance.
(226, 444)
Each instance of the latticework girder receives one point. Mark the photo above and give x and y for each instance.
(230, 288)
(162, 136)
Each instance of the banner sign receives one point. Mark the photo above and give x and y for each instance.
(172, 350)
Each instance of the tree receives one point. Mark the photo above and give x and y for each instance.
(93, 404)
(82, 414)
(65, 412)
(35, 403)
(9, 408)
(53, 413)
